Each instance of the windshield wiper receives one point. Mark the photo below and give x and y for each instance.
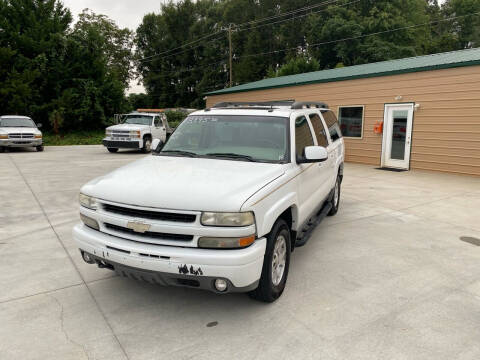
(232, 156)
(179, 152)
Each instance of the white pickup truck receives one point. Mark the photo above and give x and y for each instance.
(137, 131)
(223, 203)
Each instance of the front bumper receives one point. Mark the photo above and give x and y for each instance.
(171, 265)
(131, 144)
(20, 142)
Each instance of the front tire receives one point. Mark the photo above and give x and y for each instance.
(275, 264)
(112, 150)
(336, 196)
(147, 145)
(40, 148)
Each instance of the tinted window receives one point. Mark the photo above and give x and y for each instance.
(263, 138)
(351, 120)
(138, 120)
(303, 135)
(332, 124)
(319, 130)
(16, 122)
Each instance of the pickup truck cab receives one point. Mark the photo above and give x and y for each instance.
(223, 203)
(19, 131)
(137, 131)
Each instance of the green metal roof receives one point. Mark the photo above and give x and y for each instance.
(446, 60)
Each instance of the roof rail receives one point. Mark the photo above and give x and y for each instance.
(267, 104)
(309, 104)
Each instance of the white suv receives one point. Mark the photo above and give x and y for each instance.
(223, 203)
(19, 131)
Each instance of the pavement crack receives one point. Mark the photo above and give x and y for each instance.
(62, 327)
(102, 313)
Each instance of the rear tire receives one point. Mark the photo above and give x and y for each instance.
(336, 196)
(40, 148)
(112, 150)
(275, 264)
(147, 145)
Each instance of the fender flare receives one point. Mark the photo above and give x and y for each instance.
(288, 201)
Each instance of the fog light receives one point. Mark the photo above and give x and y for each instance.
(91, 223)
(87, 258)
(221, 285)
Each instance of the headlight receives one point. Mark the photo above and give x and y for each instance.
(108, 132)
(38, 136)
(225, 243)
(135, 134)
(88, 201)
(227, 219)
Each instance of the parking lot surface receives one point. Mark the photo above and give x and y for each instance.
(387, 278)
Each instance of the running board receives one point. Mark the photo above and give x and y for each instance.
(306, 232)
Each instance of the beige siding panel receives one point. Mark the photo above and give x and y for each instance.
(452, 151)
(444, 167)
(446, 128)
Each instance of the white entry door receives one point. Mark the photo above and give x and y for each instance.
(397, 136)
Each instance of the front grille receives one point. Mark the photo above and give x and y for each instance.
(122, 136)
(147, 214)
(20, 136)
(150, 234)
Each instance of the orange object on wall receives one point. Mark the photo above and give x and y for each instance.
(378, 127)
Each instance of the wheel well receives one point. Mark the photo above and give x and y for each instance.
(147, 136)
(287, 216)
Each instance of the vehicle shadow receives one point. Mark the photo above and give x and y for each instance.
(19, 150)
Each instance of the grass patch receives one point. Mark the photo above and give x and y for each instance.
(74, 138)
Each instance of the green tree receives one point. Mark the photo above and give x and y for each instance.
(465, 29)
(47, 66)
(298, 65)
(32, 36)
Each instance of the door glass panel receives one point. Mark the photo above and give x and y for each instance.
(399, 133)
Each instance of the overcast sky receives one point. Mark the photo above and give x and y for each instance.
(126, 13)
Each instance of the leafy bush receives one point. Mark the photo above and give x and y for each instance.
(175, 117)
(74, 138)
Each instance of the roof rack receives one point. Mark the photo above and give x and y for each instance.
(292, 104)
(257, 104)
(309, 104)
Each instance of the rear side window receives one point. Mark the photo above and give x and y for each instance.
(319, 130)
(303, 135)
(332, 124)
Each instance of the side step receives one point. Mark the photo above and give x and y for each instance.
(306, 232)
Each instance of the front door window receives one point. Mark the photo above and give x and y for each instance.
(397, 133)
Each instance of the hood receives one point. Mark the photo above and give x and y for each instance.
(130, 127)
(182, 183)
(21, 130)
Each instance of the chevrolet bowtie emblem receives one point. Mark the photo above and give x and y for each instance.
(138, 226)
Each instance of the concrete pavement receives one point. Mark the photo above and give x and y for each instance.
(387, 278)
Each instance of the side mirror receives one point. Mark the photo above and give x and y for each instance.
(39, 125)
(157, 145)
(313, 154)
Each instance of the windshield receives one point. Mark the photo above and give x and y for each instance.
(17, 122)
(248, 138)
(138, 120)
